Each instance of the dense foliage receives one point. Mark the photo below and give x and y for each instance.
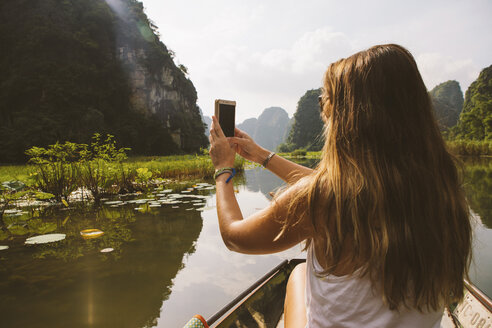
(60, 169)
(447, 100)
(476, 118)
(306, 130)
(62, 78)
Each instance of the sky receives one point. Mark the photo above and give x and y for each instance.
(269, 53)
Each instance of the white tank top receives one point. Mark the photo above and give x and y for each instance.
(350, 301)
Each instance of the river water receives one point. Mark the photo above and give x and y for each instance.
(168, 261)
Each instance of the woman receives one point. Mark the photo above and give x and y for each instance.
(384, 218)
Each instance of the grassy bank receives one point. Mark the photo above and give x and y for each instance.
(101, 177)
(178, 167)
(300, 153)
(470, 147)
(166, 167)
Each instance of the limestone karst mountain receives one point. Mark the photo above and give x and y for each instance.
(447, 100)
(74, 67)
(476, 117)
(269, 129)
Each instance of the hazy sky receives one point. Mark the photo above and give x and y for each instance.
(269, 53)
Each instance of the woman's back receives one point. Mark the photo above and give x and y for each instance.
(352, 301)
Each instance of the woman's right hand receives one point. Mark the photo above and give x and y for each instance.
(247, 148)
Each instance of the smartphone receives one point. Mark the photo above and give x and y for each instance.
(225, 111)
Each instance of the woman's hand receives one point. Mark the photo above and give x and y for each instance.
(247, 148)
(221, 151)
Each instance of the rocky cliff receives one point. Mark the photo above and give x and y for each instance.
(158, 87)
(75, 67)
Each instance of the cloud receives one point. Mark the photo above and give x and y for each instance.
(280, 76)
(272, 77)
(437, 68)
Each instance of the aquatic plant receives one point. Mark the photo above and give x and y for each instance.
(103, 169)
(55, 168)
(10, 191)
(97, 172)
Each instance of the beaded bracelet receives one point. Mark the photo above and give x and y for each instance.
(230, 170)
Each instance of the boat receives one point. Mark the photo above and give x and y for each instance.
(262, 305)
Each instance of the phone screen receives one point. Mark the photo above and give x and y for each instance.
(226, 119)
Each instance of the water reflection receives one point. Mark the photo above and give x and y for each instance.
(262, 180)
(168, 262)
(478, 187)
(70, 283)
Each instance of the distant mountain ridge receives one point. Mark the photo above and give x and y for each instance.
(269, 130)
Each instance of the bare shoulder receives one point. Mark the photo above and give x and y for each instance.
(290, 206)
(292, 193)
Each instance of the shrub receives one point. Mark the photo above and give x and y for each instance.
(97, 171)
(299, 153)
(55, 168)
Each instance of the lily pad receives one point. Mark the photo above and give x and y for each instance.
(91, 233)
(107, 250)
(113, 202)
(2, 247)
(4, 235)
(18, 229)
(43, 239)
(13, 185)
(12, 211)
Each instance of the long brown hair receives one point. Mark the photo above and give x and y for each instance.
(386, 183)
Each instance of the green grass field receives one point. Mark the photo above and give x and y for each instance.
(14, 172)
(175, 167)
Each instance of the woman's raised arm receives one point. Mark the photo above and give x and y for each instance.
(286, 170)
(258, 233)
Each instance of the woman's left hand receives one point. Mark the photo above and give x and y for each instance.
(221, 151)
